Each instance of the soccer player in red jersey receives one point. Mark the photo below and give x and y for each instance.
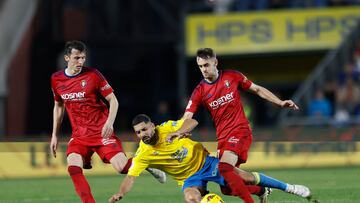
(219, 93)
(80, 91)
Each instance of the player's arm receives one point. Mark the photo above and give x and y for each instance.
(108, 126)
(125, 187)
(266, 94)
(187, 115)
(183, 131)
(58, 115)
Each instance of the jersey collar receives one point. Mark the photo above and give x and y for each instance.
(72, 76)
(211, 83)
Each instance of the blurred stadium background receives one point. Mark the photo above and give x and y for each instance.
(306, 50)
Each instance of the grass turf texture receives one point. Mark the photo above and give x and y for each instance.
(329, 185)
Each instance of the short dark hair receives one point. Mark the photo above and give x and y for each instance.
(205, 53)
(78, 45)
(140, 118)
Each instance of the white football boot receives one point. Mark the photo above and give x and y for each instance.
(158, 174)
(299, 190)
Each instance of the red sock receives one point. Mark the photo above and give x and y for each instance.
(81, 185)
(235, 182)
(255, 189)
(126, 167)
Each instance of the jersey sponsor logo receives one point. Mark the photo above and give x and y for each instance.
(222, 100)
(73, 96)
(233, 140)
(215, 171)
(83, 83)
(180, 154)
(106, 141)
(105, 87)
(227, 84)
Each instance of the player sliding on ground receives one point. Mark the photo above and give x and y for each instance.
(167, 147)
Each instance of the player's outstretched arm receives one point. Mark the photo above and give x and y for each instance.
(266, 94)
(183, 131)
(125, 187)
(108, 128)
(58, 116)
(187, 115)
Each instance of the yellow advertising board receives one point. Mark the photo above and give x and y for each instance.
(33, 159)
(270, 31)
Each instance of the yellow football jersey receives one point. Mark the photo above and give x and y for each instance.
(179, 159)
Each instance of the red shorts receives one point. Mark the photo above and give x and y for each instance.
(105, 148)
(238, 143)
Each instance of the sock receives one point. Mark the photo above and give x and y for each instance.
(267, 181)
(235, 182)
(126, 167)
(253, 189)
(81, 185)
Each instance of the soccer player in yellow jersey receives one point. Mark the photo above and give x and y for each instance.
(185, 160)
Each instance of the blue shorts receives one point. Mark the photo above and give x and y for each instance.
(209, 172)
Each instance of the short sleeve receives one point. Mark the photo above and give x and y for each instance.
(56, 95)
(173, 126)
(138, 165)
(243, 81)
(195, 100)
(104, 87)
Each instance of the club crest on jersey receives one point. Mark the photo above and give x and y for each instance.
(227, 83)
(83, 83)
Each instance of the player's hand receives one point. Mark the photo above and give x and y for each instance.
(289, 104)
(107, 130)
(53, 145)
(116, 197)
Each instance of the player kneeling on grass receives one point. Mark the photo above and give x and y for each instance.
(185, 160)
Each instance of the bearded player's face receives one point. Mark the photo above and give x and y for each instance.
(146, 132)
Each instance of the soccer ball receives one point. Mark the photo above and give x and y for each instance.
(212, 198)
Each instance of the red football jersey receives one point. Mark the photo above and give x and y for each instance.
(81, 95)
(222, 99)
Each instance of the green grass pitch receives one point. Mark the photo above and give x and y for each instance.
(329, 185)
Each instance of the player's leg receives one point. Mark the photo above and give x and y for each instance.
(120, 162)
(266, 181)
(227, 169)
(75, 163)
(261, 192)
(195, 186)
(87, 160)
(193, 194)
(122, 165)
(113, 153)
